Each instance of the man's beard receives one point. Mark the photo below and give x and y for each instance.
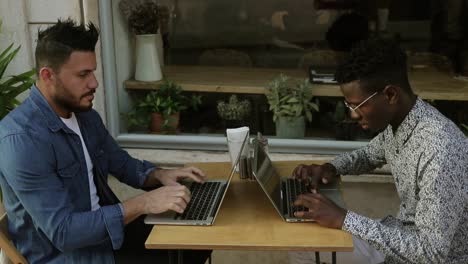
(65, 100)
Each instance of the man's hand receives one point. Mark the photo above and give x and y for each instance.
(322, 210)
(174, 198)
(171, 177)
(166, 198)
(315, 173)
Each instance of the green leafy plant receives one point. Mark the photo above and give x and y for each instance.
(290, 98)
(11, 86)
(167, 100)
(234, 109)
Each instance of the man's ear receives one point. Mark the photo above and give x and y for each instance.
(47, 75)
(392, 93)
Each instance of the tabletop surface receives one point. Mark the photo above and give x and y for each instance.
(428, 84)
(248, 221)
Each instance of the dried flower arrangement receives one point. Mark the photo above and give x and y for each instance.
(142, 15)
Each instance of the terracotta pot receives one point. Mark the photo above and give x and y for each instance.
(157, 124)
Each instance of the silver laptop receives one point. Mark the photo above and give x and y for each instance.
(203, 206)
(282, 191)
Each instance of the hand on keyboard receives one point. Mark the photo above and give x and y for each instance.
(173, 176)
(321, 209)
(166, 198)
(314, 174)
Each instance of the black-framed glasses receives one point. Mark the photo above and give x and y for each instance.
(353, 109)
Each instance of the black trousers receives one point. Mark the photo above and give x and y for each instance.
(133, 249)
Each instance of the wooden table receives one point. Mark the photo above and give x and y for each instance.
(428, 84)
(248, 221)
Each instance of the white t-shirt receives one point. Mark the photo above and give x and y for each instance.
(72, 123)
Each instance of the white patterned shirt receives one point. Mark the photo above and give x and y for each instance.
(428, 158)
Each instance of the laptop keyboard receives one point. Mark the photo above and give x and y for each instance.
(203, 198)
(295, 188)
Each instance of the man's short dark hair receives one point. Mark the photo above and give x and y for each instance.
(376, 63)
(347, 30)
(56, 43)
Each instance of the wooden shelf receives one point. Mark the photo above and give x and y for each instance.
(428, 84)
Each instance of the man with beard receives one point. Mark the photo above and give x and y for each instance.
(55, 158)
(427, 155)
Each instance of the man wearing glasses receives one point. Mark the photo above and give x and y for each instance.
(428, 157)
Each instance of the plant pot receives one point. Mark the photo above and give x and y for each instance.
(234, 123)
(157, 124)
(290, 127)
(148, 66)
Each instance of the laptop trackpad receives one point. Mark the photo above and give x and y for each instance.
(162, 216)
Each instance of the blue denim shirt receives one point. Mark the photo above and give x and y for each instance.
(45, 184)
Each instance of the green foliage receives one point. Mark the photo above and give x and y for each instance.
(11, 86)
(340, 112)
(233, 109)
(167, 100)
(289, 98)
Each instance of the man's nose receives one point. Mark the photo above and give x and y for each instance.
(354, 115)
(93, 82)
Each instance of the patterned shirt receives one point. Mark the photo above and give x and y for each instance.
(428, 158)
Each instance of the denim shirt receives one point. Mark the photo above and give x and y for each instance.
(45, 184)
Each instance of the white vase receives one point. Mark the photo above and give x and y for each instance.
(160, 48)
(147, 67)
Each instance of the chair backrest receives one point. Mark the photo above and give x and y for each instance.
(225, 57)
(322, 58)
(6, 245)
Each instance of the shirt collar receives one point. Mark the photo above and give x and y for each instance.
(406, 128)
(52, 119)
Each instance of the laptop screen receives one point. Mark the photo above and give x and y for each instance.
(267, 176)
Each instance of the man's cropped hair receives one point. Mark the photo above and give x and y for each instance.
(56, 43)
(376, 63)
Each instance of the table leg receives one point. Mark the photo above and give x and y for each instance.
(176, 256)
(333, 257)
(317, 257)
(180, 256)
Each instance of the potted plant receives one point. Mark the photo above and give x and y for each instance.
(161, 108)
(11, 86)
(143, 20)
(291, 104)
(233, 112)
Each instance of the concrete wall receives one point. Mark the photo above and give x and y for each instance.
(22, 19)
